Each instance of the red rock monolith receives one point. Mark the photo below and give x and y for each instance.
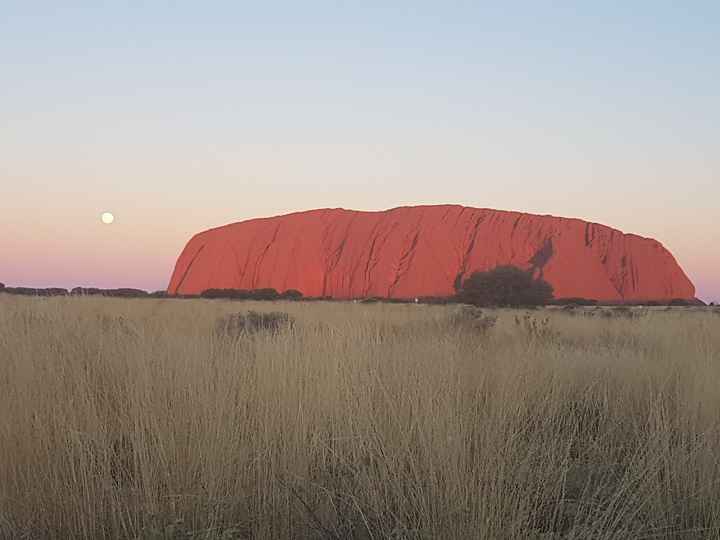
(417, 251)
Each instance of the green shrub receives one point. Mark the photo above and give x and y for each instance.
(291, 294)
(575, 301)
(264, 294)
(505, 286)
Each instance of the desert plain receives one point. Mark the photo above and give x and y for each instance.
(164, 418)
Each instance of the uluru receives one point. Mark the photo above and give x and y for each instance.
(419, 251)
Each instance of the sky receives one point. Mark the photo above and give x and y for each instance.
(182, 116)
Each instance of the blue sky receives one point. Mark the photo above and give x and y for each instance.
(180, 116)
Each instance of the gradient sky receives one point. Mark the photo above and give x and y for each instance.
(181, 116)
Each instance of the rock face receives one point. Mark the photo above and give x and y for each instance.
(423, 251)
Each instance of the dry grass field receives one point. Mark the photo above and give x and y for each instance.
(149, 419)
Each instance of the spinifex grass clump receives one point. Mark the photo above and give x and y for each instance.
(238, 324)
(137, 419)
(472, 318)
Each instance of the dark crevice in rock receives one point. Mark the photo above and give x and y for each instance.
(471, 246)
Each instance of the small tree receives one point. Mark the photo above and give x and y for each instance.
(505, 286)
(291, 294)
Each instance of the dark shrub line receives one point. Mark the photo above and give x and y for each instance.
(501, 287)
(29, 291)
(80, 291)
(252, 294)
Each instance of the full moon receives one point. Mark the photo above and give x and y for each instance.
(107, 218)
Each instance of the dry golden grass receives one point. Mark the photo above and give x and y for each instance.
(137, 419)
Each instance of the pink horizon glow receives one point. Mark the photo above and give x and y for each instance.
(121, 257)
